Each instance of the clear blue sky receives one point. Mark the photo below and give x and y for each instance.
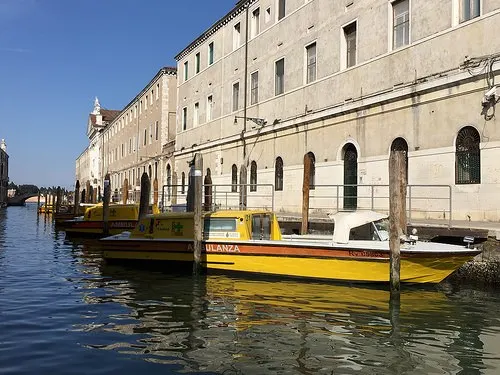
(57, 55)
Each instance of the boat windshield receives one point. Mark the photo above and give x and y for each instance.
(381, 230)
(219, 225)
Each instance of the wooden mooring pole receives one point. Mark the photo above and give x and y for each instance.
(125, 191)
(38, 203)
(145, 195)
(76, 198)
(53, 202)
(105, 204)
(155, 191)
(396, 180)
(197, 180)
(58, 199)
(306, 185)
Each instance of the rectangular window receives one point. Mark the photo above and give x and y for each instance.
(157, 91)
(281, 9)
(211, 53)
(135, 144)
(151, 97)
(236, 95)
(150, 133)
(219, 225)
(123, 150)
(311, 63)
(254, 88)
(236, 36)
(130, 145)
(197, 61)
(156, 130)
(145, 103)
(279, 79)
(186, 70)
(210, 104)
(196, 114)
(469, 9)
(255, 23)
(140, 107)
(401, 23)
(350, 43)
(184, 118)
(145, 140)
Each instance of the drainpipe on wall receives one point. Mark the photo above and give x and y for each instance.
(244, 166)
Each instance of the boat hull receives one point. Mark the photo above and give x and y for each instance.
(83, 227)
(295, 260)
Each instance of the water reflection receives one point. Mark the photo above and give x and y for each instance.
(238, 325)
(63, 310)
(3, 223)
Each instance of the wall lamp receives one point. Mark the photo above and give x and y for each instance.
(259, 121)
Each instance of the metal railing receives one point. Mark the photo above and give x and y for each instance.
(228, 196)
(219, 196)
(422, 201)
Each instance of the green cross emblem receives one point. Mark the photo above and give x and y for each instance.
(176, 227)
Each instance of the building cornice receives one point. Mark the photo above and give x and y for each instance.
(170, 71)
(232, 14)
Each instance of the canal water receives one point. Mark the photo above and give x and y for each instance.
(64, 311)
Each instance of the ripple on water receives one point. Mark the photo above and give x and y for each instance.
(63, 310)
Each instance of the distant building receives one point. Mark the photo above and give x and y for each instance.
(4, 173)
(89, 165)
(139, 138)
(276, 85)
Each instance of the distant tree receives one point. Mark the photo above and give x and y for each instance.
(12, 185)
(27, 189)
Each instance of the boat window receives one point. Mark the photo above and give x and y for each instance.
(364, 232)
(220, 225)
(261, 227)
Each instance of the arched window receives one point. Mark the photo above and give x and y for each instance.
(253, 176)
(310, 168)
(169, 180)
(468, 157)
(278, 174)
(234, 178)
(350, 177)
(183, 183)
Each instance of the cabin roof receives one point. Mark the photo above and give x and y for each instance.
(345, 221)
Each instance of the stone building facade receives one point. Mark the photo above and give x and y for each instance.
(140, 138)
(275, 84)
(89, 165)
(4, 173)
